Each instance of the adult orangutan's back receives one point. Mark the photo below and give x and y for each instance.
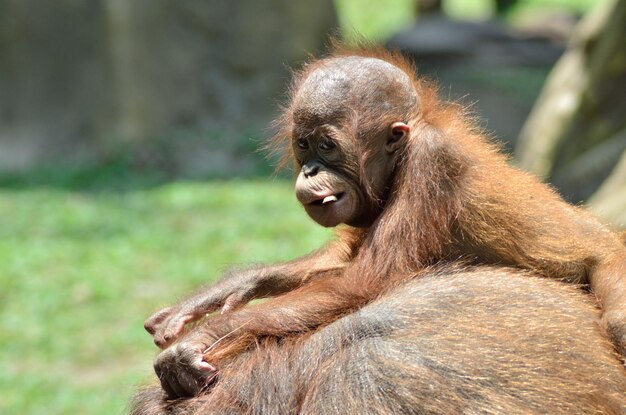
(479, 340)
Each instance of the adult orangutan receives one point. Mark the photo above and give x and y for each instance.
(450, 341)
(415, 184)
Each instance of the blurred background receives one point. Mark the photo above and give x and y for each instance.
(129, 164)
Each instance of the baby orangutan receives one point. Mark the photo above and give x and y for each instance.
(413, 183)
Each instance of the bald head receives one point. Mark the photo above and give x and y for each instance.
(366, 85)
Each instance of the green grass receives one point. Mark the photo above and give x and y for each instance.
(81, 270)
(378, 19)
(373, 19)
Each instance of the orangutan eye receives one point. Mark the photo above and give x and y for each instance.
(302, 143)
(327, 145)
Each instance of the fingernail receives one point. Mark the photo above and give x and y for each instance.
(207, 366)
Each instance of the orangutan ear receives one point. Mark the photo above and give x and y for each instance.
(398, 132)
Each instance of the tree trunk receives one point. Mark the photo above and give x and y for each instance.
(576, 132)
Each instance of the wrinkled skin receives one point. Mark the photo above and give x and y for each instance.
(331, 197)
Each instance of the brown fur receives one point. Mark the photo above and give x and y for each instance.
(451, 195)
(454, 196)
(490, 341)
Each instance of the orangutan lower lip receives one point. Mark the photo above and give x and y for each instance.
(327, 200)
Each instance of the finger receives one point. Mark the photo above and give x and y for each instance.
(155, 319)
(208, 305)
(174, 383)
(210, 381)
(202, 304)
(191, 383)
(170, 392)
(184, 383)
(174, 327)
(160, 342)
(177, 390)
(206, 366)
(168, 383)
(233, 302)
